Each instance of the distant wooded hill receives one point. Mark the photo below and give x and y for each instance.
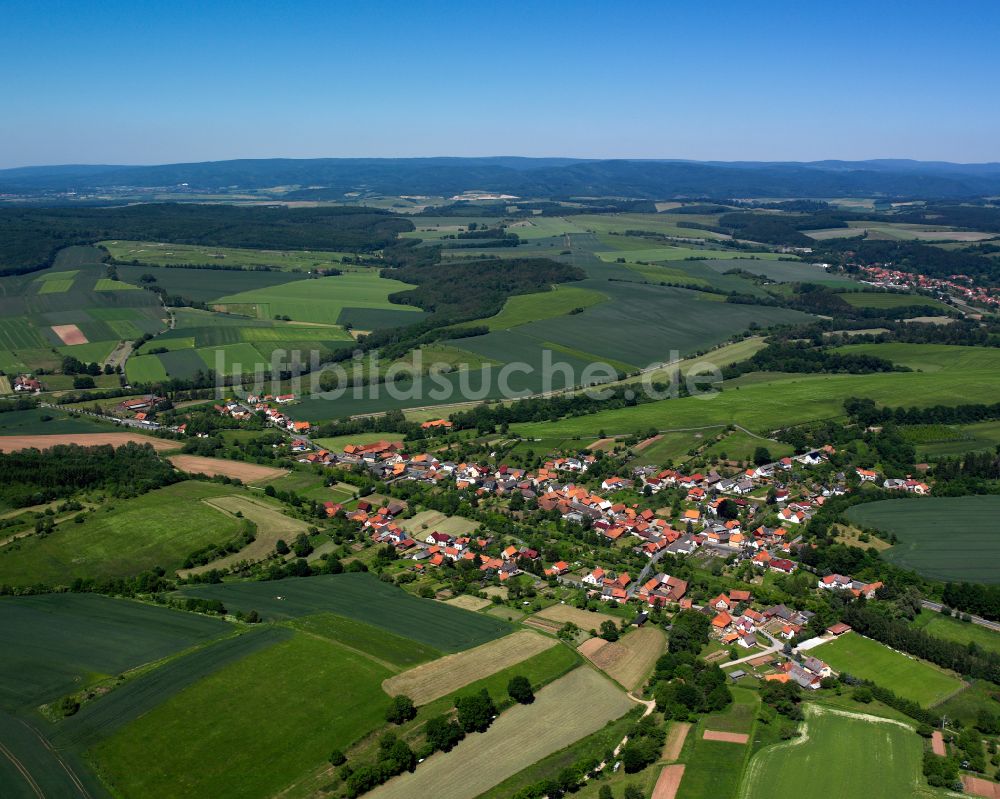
(329, 178)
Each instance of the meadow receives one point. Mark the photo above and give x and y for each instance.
(962, 632)
(160, 254)
(521, 735)
(394, 651)
(840, 756)
(322, 299)
(934, 441)
(257, 746)
(364, 598)
(909, 677)
(122, 538)
(773, 401)
(524, 308)
(946, 538)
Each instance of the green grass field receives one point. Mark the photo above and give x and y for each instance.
(122, 538)
(159, 254)
(239, 732)
(741, 447)
(934, 441)
(55, 643)
(840, 757)
(364, 598)
(890, 299)
(323, 299)
(400, 652)
(935, 357)
(776, 400)
(526, 308)
(952, 629)
(947, 538)
(907, 676)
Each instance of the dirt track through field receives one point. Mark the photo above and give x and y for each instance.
(425, 683)
(937, 744)
(70, 334)
(247, 472)
(675, 740)
(14, 443)
(727, 737)
(668, 782)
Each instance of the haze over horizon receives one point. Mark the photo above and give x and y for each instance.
(127, 84)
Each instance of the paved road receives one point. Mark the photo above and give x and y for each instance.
(937, 606)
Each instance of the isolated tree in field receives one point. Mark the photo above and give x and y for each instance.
(281, 547)
(609, 630)
(475, 712)
(401, 709)
(337, 758)
(519, 689)
(761, 455)
(443, 733)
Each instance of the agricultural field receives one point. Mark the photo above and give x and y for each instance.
(902, 231)
(935, 441)
(946, 538)
(323, 299)
(713, 767)
(396, 652)
(740, 446)
(890, 299)
(629, 660)
(272, 525)
(122, 538)
(584, 619)
(521, 736)
(84, 439)
(934, 357)
(160, 254)
(431, 521)
(239, 470)
(524, 308)
(962, 632)
(56, 643)
(771, 401)
(364, 598)
(258, 746)
(909, 677)
(839, 755)
(445, 675)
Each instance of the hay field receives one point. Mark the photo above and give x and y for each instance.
(271, 525)
(584, 619)
(247, 472)
(446, 675)
(631, 658)
(14, 443)
(519, 737)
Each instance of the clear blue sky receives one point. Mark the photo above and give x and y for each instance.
(156, 81)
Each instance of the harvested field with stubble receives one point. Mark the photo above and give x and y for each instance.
(14, 443)
(522, 735)
(445, 675)
(629, 659)
(247, 472)
(584, 619)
